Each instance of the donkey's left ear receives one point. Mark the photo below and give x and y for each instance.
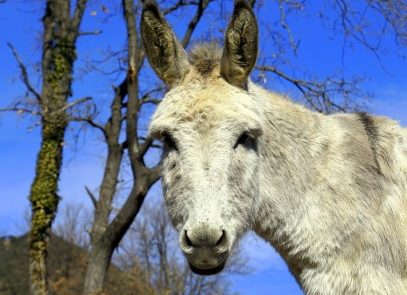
(241, 45)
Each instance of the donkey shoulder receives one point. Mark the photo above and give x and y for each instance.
(375, 140)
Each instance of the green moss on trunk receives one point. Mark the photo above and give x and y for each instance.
(44, 201)
(44, 190)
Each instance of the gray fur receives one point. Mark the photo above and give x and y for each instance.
(328, 192)
(164, 52)
(241, 45)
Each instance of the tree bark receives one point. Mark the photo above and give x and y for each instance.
(44, 202)
(58, 56)
(100, 252)
(98, 264)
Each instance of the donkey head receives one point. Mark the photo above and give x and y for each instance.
(210, 126)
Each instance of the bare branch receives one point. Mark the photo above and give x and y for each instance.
(94, 33)
(133, 103)
(72, 104)
(177, 5)
(151, 100)
(309, 89)
(148, 142)
(286, 27)
(145, 144)
(126, 214)
(91, 196)
(395, 13)
(77, 17)
(156, 90)
(19, 110)
(89, 120)
(202, 5)
(114, 123)
(24, 73)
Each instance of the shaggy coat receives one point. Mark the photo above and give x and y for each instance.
(328, 192)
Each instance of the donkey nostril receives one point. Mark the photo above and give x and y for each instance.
(221, 239)
(200, 238)
(188, 241)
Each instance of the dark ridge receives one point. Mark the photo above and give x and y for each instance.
(151, 6)
(372, 134)
(241, 4)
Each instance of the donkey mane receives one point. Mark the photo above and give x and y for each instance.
(205, 57)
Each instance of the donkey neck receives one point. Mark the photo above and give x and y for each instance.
(290, 149)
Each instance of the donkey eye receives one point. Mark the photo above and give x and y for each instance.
(169, 142)
(244, 139)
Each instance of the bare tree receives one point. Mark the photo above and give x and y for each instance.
(72, 224)
(355, 23)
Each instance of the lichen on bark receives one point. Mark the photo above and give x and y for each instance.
(44, 200)
(57, 65)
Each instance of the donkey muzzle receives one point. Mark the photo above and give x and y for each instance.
(206, 248)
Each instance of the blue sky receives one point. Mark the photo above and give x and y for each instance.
(319, 53)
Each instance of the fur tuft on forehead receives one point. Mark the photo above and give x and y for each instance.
(205, 57)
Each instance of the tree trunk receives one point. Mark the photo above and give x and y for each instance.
(58, 56)
(44, 201)
(101, 252)
(98, 263)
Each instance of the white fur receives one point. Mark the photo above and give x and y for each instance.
(328, 192)
(297, 191)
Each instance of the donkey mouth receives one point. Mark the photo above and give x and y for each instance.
(207, 271)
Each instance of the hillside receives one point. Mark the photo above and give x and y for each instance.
(66, 270)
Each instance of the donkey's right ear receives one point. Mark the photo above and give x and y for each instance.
(164, 52)
(241, 45)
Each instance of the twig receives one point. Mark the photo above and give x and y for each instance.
(305, 87)
(91, 196)
(89, 121)
(286, 27)
(151, 100)
(94, 33)
(24, 73)
(148, 142)
(178, 5)
(72, 104)
(19, 110)
(202, 5)
(156, 90)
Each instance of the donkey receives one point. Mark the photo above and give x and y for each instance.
(328, 192)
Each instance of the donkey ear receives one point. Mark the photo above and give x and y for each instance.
(241, 45)
(166, 55)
